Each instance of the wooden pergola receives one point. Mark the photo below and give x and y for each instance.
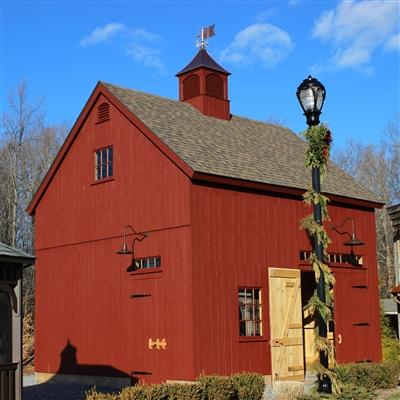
(12, 262)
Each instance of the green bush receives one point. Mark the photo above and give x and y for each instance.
(370, 376)
(137, 392)
(248, 386)
(157, 392)
(390, 343)
(351, 392)
(93, 395)
(216, 388)
(243, 386)
(178, 391)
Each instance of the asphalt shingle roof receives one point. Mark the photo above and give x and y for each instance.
(239, 148)
(202, 59)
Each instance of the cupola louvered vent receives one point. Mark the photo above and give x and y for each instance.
(191, 87)
(214, 86)
(103, 113)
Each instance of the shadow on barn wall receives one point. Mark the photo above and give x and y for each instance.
(70, 366)
(67, 383)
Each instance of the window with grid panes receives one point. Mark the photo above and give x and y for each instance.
(103, 163)
(148, 262)
(250, 320)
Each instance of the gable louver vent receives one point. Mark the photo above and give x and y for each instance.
(214, 86)
(191, 87)
(103, 113)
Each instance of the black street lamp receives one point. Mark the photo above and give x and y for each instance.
(311, 95)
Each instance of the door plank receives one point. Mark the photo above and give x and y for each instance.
(287, 353)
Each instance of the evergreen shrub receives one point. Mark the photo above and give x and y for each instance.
(245, 386)
(216, 388)
(248, 386)
(390, 343)
(370, 376)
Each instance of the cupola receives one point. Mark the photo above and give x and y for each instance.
(203, 83)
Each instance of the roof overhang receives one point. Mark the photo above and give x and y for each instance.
(265, 187)
(25, 261)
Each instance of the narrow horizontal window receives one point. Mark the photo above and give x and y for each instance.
(147, 263)
(103, 163)
(250, 320)
(336, 258)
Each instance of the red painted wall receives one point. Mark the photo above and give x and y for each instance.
(207, 105)
(211, 241)
(237, 236)
(83, 288)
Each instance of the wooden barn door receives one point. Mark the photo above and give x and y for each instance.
(287, 354)
(356, 318)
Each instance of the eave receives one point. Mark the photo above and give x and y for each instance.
(284, 190)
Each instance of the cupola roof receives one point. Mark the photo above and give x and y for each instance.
(203, 59)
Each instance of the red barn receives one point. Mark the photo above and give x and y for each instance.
(217, 283)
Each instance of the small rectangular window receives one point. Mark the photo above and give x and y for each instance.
(250, 312)
(103, 163)
(147, 263)
(336, 258)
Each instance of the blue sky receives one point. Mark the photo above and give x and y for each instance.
(62, 48)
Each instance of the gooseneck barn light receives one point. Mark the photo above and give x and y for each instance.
(311, 96)
(353, 241)
(137, 236)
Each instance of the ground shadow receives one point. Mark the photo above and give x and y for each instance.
(62, 389)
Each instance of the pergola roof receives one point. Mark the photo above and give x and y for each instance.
(12, 255)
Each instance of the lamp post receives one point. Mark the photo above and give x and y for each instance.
(311, 95)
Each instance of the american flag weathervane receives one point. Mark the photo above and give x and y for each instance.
(205, 33)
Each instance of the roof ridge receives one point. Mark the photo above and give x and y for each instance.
(189, 105)
(142, 92)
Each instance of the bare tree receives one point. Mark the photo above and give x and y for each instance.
(17, 125)
(27, 149)
(378, 169)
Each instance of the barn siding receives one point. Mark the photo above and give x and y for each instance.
(82, 287)
(237, 236)
(212, 240)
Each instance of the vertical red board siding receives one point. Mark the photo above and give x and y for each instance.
(357, 313)
(237, 236)
(83, 290)
(211, 241)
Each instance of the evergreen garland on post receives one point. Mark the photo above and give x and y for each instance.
(319, 140)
